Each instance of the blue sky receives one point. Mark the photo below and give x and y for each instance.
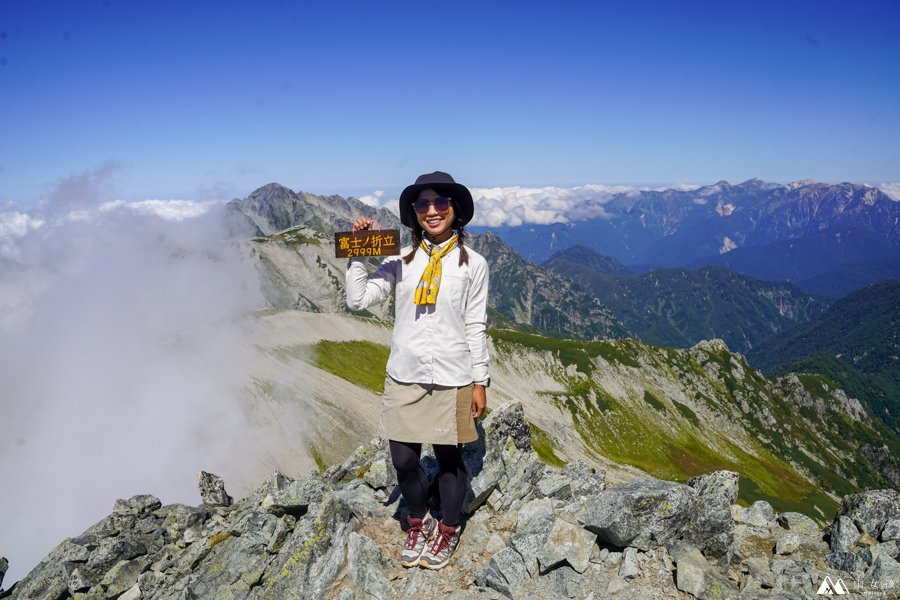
(209, 100)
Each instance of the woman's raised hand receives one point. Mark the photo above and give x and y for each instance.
(361, 224)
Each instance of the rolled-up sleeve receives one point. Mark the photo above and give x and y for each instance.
(476, 322)
(364, 290)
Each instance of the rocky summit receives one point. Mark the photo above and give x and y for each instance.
(533, 531)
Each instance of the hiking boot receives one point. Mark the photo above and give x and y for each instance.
(417, 537)
(445, 542)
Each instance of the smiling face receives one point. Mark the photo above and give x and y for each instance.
(437, 225)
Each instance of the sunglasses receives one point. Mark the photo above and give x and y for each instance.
(440, 205)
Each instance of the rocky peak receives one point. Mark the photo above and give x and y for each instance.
(274, 208)
(532, 531)
(794, 185)
(829, 399)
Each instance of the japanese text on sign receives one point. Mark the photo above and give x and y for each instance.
(381, 242)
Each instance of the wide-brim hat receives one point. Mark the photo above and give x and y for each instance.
(443, 184)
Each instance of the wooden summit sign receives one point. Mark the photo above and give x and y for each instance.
(370, 242)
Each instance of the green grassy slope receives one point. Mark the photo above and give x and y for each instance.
(678, 413)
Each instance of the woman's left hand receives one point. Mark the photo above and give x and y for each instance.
(479, 400)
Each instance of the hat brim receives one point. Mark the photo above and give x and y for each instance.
(457, 191)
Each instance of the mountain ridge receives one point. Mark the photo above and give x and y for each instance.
(531, 531)
(679, 307)
(646, 229)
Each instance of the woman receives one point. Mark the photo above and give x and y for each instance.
(438, 368)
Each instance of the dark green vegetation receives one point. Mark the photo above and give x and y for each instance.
(855, 343)
(679, 307)
(359, 361)
(712, 412)
(535, 298)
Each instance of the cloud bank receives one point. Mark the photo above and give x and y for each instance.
(124, 331)
(518, 205)
(891, 189)
(373, 199)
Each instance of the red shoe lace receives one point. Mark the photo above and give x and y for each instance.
(412, 536)
(442, 541)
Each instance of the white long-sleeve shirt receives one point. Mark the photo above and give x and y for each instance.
(444, 343)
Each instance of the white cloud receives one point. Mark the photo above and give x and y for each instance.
(891, 189)
(125, 344)
(13, 226)
(373, 199)
(517, 205)
(679, 187)
(170, 210)
(393, 205)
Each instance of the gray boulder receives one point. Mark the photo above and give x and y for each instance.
(283, 530)
(584, 480)
(378, 475)
(566, 543)
(508, 422)
(712, 527)
(312, 557)
(846, 561)
(533, 524)
(695, 576)
(567, 582)
(367, 563)
(871, 511)
(295, 497)
(891, 530)
(529, 546)
(137, 506)
(629, 569)
(800, 524)
(212, 490)
(535, 516)
(758, 567)
(884, 570)
(359, 463)
(505, 572)
(843, 534)
(502, 459)
(4, 567)
(787, 544)
(761, 514)
(643, 513)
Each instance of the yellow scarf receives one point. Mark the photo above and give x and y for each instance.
(427, 289)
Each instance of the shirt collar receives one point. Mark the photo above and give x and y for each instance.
(431, 245)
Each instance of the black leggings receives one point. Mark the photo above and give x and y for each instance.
(414, 483)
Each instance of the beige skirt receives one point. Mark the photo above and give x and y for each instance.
(437, 414)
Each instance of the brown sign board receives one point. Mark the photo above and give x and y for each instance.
(371, 242)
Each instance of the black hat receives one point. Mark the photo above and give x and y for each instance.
(443, 184)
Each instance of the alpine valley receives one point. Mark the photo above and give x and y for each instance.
(622, 343)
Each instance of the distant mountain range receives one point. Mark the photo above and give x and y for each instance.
(824, 238)
(855, 343)
(679, 307)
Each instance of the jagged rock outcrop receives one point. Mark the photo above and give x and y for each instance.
(274, 207)
(533, 532)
